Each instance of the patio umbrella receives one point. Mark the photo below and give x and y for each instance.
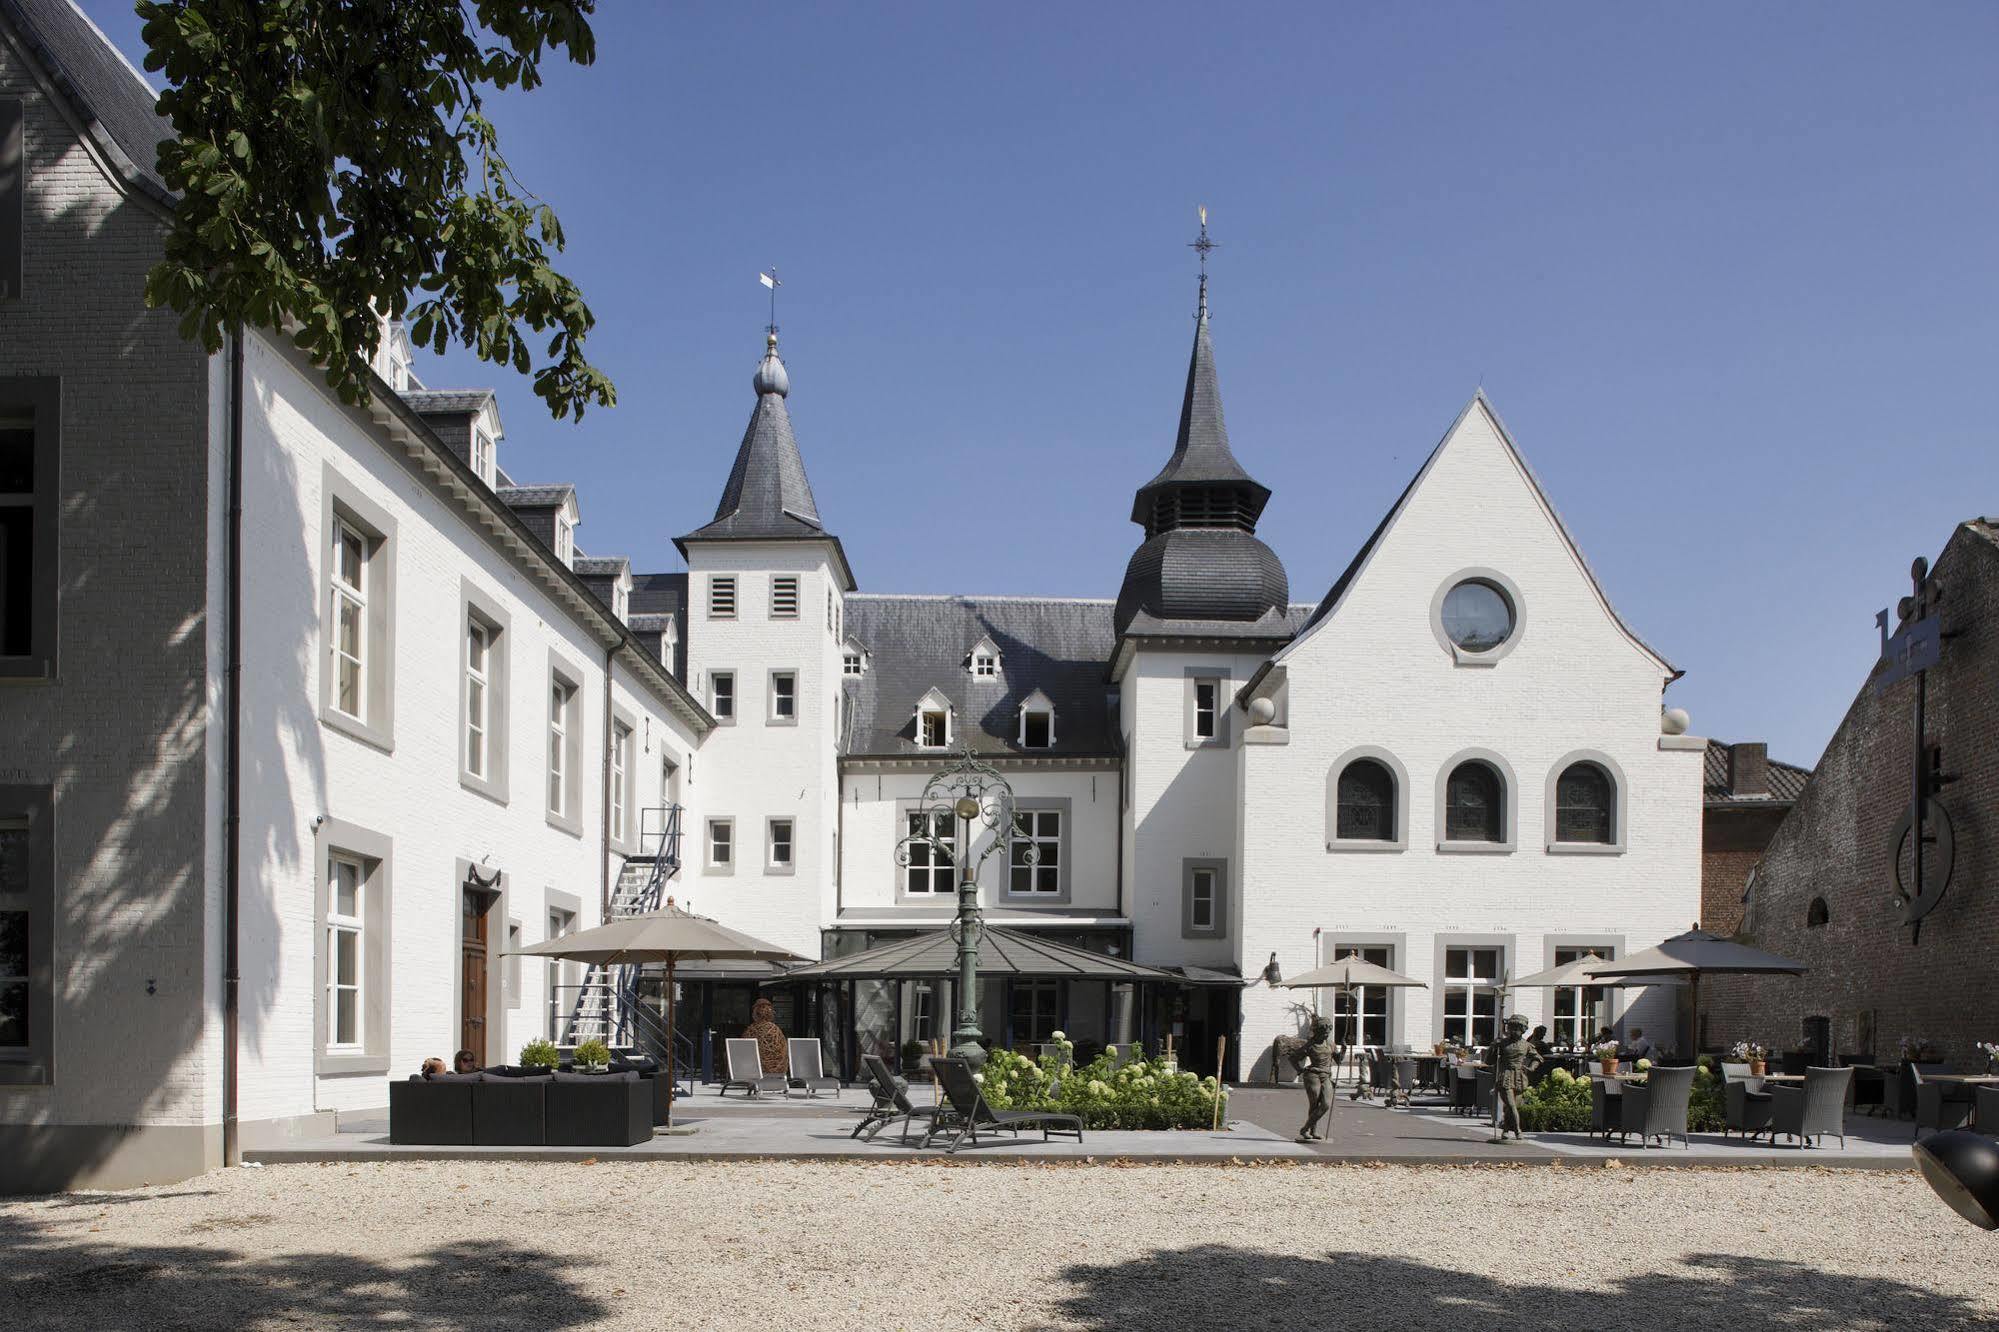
(1002, 952)
(1691, 956)
(1348, 973)
(1587, 970)
(670, 935)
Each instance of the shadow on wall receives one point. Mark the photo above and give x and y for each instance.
(99, 1285)
(1360, 1291)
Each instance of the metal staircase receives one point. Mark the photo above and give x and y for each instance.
(608, 1006)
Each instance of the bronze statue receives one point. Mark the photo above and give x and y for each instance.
(772, 1051)
(1514, 1060)
(1313, 1058)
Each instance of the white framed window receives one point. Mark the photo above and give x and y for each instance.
(1207, 707)
(478, 697)
(929, 871)
(559, 1000)
(347, 588)
(1201, 899)
(565, 540)
(784, 697)
(1471, 1005)
(1579, 1011)
(722, 695)
(722, 596)
(1360, 1015)
(784, 597)
(985, 665)
(721, 846)
(1039, 873)
(346, 921)
(482, 457)
(621, 601)
(1037, 722)
(933, 721)
(621, 767)
(850, 662)
(778, 846)
(561, 697)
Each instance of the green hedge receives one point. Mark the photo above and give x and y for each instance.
(1560, 1103)
(1140, 1094)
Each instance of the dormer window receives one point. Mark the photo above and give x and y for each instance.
(933, 721)
(482, 455)
(621, 600)
(1037, 722)
(984, 660)
(565, 539)
(853, 659)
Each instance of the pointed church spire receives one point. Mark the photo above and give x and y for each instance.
(767, 494)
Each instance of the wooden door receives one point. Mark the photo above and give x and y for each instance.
(472, 985)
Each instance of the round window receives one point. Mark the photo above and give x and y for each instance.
(1477, 615)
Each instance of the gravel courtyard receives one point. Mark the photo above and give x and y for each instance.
(885, 1246)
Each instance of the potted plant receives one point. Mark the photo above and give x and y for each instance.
(912, 1058)
(1990, 1049)
(540, 1055)
(1607, 1052)
(593, 1056)
(1752, 1054)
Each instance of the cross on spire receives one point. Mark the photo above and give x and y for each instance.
(1201, 245)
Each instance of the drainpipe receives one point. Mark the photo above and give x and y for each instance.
(232, 822)
(604, 911)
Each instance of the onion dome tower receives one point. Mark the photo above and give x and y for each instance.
(1202, 568)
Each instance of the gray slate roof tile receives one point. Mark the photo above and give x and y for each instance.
(1787, 780)
(97, 80)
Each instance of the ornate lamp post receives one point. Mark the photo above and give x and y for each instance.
(956, 805)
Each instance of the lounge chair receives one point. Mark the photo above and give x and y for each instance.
(1657, 1107)
(807, 1068)
(968, 1111)
(746, 1070)
(891, 1102)
(1745, 1102)
(1815, 1110)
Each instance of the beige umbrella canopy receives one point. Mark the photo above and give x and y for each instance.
(1349, 973)
(670, 935)
(1685, 958)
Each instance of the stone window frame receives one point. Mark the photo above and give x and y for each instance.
(904, 807)
(342, 501)
(475, 604)
(625, 805)
(1064, 849)
(1620, 789)
(561, 672)
(1218, 928)
(771, 717)
(1509, 794)
(376, 853)
(40, 396)
(709, 865)
(1510, 589)
(1396, 773)
(1194, 677)
(35, 1066)
(1441, 945)
(771, 866)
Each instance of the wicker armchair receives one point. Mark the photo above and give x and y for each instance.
(1815, 1110)
(1939, 1105)
(1988, 1110)
(1606, 1107)
(1657, 1107)
(1745, 1102)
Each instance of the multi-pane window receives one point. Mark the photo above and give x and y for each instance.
(1366, 802)
(565, 540)
(1037, 729)
(780, 844)
(850, 663)
(560, 698)
(17, 539)
(482, 456)
(478, 696)
(621, 767)
(1201, 902)
(722, 694)
(348, 587)
(985, 665)
(933, 728)
(14, 952)
(1585, 804)
(929, 869)
(559, 998)
(721, 843)
(1037, 1012)
(722, 597)
(1471, 1005)
(1360, 1015)
(1580, 1010)
(1474, 804)
(784, 597)
(346, 905)
(1036, 851)
(783, 696)
(1207, 708)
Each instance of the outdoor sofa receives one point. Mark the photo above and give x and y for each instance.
(519, 1108)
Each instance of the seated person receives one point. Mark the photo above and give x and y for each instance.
(463, 1062)
(431, 1068)
(1604, 1036)
(1640, 1046)
(1538, 1038)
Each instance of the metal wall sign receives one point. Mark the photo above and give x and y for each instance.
(1923, 837)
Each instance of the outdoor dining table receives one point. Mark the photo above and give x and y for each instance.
(1965, 1079)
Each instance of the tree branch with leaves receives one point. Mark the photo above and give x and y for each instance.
(335, 163)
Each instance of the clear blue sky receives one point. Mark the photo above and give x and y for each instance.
(1727, 271)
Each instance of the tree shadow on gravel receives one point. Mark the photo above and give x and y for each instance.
(1220, 1285)
(48, 1281)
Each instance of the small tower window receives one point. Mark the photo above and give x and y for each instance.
(1816, 915)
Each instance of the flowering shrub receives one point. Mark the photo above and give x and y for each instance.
(1990, 1050)
(1140, 1094)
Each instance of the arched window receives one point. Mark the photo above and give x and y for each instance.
(1816, 914)
(1585, 804)
(1366, 802)
(1474, 804)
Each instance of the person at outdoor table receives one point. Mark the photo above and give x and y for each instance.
(1604, 1036)
(1513, 1063)
(1641, 1046)
(1538, 1038)
(464, 1062)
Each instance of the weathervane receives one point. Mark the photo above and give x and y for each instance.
(1201, 245)
(770, 280)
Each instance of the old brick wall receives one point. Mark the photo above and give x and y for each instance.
(1835, 844)
(1732, 841)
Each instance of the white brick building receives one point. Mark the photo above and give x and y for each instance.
(454, 729)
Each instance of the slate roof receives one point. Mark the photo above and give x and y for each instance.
(917, 644)
(767, 495)
(447, 400)
(605, 566)
(1787, 780)
(535, 497)
(659, 593)
(98, 82)
(1201, 453)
